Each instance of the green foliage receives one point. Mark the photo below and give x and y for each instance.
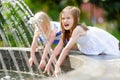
(112, 9)
(13, 25)
(52, 7)
(116, 33)
(84, 19)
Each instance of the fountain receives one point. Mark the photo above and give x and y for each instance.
(14, 16)
(16, 36)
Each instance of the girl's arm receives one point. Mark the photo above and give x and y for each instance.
(78, 31)
(33, 47)
(53, 56)
(47, 49)
(49, 43)
(56, 51)
(34, 44)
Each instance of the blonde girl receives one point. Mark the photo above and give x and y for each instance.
(51, 29)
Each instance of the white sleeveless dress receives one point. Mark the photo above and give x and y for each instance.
(97, 41)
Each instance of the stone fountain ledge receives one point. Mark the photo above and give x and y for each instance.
(91, 68)
(85, 67)
(15, 48)
(19, 48)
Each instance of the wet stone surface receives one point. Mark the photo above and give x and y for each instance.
(74, 67)
(100, 67)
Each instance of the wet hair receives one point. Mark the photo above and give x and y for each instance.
(75, 12)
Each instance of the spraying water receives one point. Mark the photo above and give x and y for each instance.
(16, 35)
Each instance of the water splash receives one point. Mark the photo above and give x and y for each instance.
(15, 15)
(16, 34)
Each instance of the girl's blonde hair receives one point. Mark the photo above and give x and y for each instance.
(75, 12)
(42, 18)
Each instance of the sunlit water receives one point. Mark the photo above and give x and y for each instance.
(15, 31)
(13, 75)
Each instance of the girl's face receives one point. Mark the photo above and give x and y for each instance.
(67, 20)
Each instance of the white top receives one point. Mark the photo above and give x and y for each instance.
(98, 41)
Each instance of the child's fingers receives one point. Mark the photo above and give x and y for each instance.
(47, 71)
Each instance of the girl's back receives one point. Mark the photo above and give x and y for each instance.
(98, 41)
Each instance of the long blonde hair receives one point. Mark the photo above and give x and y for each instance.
(42, 18)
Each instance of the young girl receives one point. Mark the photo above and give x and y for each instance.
(90, 40)
(51, 29)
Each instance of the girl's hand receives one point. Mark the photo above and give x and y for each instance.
(47, 69)
(57, 71)
(31, 61)
(42, 64)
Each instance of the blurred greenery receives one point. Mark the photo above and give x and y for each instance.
(112, 9)
(53, 8)
(13, 28)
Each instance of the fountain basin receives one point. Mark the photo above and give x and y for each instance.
(75, 66)
(85, 67)
(13, 56)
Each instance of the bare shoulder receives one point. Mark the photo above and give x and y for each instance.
(79, 30)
